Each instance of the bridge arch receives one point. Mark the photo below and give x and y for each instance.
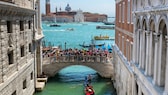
(104, 70)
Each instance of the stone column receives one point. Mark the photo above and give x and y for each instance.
(139, 90)
(166, 75)
(140, 52)
(143, 50)
(156, 58)
(151, 48)
(138, 47)
(147, 53)
(135, 47)
(161, 61)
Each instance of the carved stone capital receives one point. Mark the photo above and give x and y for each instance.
(156, 36)
(166, 40)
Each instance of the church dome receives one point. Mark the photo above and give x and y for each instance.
(68, 8)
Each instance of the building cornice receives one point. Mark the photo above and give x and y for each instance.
(125, 31)
(157, 9)
(13, 9)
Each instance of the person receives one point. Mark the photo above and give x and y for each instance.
(89, 79)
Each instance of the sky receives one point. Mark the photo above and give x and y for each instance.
(93, 6)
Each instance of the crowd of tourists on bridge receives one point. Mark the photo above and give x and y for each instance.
(80, 53)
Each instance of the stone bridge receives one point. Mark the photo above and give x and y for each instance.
(103, 65)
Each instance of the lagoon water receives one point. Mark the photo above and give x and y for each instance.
(69, 81)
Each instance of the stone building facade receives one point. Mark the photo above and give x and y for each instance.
(145, 72)
(151, 46)
(20, 46)
(123, 49)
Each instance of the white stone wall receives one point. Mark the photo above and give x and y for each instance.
(123, 74)
(23, 67)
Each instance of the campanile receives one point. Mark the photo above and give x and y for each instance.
(47, 7)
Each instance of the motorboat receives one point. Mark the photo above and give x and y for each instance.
(55, 25)
(101, 37)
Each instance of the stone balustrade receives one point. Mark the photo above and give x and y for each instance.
(76, 59)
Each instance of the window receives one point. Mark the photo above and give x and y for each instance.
(14, 93)
(30, 47)
(21, 26)
(24, 84)
(31, 75)
(10, 57)
(120, 14)
(9, 26)
(129, 13)
(29, 23)
(131, 20)
(22, 51)
(123, 12)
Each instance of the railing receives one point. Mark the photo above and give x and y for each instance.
(75, 59)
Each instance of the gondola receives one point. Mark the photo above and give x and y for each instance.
(88, 88)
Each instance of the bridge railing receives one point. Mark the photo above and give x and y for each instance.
(77, 59)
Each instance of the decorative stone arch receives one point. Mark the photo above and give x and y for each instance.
(162, 33)
(137, 23)
(144, 23)
(152, 23)
(161, 22)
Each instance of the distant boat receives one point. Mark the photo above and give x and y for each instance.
(70, 29)
(55, 25)
(92, 45)
(101, 37)
(108, 23)
(105, 27)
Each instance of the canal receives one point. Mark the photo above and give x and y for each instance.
(69, 81)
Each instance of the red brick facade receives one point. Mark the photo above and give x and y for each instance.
(124, 28)
(47, 9)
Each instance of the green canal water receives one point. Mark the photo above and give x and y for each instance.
(69, 81)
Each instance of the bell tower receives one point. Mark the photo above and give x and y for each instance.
(47, 7)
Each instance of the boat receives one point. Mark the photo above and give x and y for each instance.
(109, 48)
(92, 45)
(88, 88)
(105, 27)
(55, 25)
(101, 37)
(109, 23)
(70, 29)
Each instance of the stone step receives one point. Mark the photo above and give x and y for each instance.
(40, 86)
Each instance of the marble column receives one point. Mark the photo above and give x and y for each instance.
(139, 90)
(135, 47)
(166, 74)
(161, 61)
(151, 54)
(138, 47)
(140, 52)
(156, 58)
(147, 53)
(143, 50)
